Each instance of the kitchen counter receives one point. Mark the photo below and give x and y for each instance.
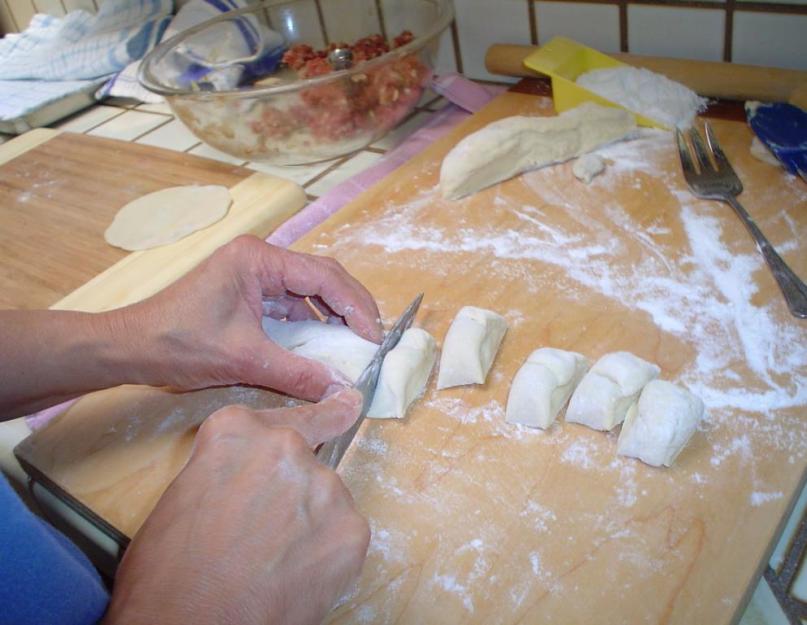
(154, 125)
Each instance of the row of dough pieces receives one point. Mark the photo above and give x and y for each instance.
(659, 417)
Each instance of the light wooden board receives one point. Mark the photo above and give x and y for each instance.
(477, 521)
(60, 191)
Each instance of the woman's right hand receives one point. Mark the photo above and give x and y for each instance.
(254, 530)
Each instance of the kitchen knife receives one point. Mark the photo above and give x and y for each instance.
(331, 452)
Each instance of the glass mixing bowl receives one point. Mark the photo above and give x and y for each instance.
(298, 82)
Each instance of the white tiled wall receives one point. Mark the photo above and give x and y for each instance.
(596, 25)
(676, 32)
(662, 27)
(482, 23)
(775, 40)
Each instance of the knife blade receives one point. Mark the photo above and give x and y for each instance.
(332, 452)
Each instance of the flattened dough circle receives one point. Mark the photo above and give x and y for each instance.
(167, 215)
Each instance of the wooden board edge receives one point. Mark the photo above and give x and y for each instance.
(142, 274)
(23, 143)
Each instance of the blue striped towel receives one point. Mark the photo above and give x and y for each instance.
(82, 46)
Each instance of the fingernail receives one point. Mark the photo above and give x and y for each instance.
(349, 397)
(333, 389)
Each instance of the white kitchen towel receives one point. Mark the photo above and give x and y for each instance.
(82, 46)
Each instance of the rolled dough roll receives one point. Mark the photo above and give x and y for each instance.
(543, 385)
(470, 346)
(404, 374)
(335, 345)
(660, 425)
(167, 215)
(517, 144)
(605, 394)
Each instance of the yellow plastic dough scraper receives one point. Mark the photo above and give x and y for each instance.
(331, 452)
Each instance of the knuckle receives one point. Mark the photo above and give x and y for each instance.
(288, 442)
(239, 246)
(227, 422)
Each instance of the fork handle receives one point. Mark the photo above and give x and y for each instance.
(793, 289)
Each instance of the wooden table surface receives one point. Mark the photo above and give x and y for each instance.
(58, 198)
(477, 521)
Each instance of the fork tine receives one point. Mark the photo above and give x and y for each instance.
(683, 151)
(717, 151)
(700, 150)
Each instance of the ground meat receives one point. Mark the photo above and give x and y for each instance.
(378, 98)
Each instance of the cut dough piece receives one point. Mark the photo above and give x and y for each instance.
(657, 429)
(335, 345)
(587, 167)
(404, 374)
(470, 346)
(517, 144)
(607, 391)
(166, 216)
(543, 385)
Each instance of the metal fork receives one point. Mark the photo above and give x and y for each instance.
(711, 177)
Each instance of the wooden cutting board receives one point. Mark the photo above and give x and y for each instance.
(476, 521)
(60, 191)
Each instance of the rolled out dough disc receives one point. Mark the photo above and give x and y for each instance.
(167, 215)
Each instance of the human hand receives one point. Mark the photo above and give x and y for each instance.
(207, 326)
(254, 530)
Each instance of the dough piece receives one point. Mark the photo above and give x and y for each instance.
(470, 346)
(335, 345)
(607, 391)
(543, 385)
(587, 167)
(517, 144)
(761, 152)
(404, 374)
(657, 429)
(166, 216)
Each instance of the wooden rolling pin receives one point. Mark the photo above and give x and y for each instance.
(708, 78)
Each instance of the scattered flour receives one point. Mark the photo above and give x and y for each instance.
(757, 498)
(646, 93)
(703, 299)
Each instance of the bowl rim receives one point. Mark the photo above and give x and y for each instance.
(147, 79)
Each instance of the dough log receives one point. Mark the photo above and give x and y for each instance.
(335, 345)
(517, 144)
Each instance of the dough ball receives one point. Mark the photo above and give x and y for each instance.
(605, 394)
(404, 374)
(335, 345)
(470, 346)
(587, 167)
(657, 429)
(166, 216)
(543, 385)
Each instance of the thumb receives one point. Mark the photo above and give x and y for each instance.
(278, 368)
(320, 422)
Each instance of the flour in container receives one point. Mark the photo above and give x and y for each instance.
(646, 93)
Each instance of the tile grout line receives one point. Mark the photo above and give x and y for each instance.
(728, 31)
(532, 15)
(108, 119)
(143, 134)
(328, 170)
